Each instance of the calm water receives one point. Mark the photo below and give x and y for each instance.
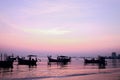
(75, 70)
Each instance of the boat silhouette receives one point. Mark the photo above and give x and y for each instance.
(7, 63)
(100, 60)
(29, 61)
(59, 59)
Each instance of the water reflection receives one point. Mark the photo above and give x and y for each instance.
(31, 66)
(61, 64)
(100, 66)
(4, 70)
(114, 63)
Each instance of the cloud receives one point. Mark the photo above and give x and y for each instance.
(53, 31)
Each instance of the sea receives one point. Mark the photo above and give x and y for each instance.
(74, 70)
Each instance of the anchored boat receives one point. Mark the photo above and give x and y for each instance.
(100, 60)
(59, 59)
(32, 60)
(7, 63)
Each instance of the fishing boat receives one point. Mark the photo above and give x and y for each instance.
(100, 60)
(7, 63)
(32, 60)
(59, 59)
(91, 61)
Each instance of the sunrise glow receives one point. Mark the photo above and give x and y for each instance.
(60, 26)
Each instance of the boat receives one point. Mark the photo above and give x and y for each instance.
(59, 59)
(100, 60)
(91, 61)
(7, 63)
(32, 60)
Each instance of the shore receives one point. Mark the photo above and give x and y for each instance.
(87, 74)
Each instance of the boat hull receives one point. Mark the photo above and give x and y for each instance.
(26, 62)
(6, 64)
(59, 60)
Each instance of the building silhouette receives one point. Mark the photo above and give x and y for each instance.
(114, 56)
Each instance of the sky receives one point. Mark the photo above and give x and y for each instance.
(60, 26)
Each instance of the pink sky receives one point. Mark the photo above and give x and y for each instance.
(68, 26)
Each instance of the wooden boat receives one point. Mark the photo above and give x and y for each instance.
(91, 61)
(59, 59)
(30, 61)
(8, 63)
(100, 60)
